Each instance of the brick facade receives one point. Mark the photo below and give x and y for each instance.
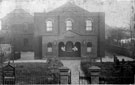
(77, 34)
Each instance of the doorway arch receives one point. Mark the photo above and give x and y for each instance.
(77, 51)
(61, 49)
(69, 49)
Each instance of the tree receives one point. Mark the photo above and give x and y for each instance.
(117, 34)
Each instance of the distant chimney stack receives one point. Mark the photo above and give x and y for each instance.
(72, 1)
(18, 4)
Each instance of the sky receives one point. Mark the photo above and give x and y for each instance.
(117, 12)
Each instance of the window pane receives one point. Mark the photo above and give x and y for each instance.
(68, 25)
(49, 25)
(89, 46)
(49, 49)
(88, 25)
(89, 49)
(69, 28)
(88, 28)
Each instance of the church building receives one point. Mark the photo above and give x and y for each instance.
(69, 32)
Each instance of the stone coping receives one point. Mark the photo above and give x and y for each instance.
(27, 61)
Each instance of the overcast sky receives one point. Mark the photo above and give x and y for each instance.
(117, 12)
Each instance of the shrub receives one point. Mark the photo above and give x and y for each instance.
(15, 56)
(38, 73)
(111, 73)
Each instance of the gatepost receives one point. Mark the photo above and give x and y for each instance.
(8, 74)
(64, 75)
(94, 73)
(134, 78)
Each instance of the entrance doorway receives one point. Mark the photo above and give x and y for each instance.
(69, 49)
(77, 51)
(61, 50)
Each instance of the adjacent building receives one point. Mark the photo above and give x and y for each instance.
(18, 28)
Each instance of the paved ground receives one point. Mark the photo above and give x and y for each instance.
(74, 66)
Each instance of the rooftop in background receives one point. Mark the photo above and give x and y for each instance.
(117, 13)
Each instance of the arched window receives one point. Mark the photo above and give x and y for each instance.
(61, 46)
(88, 25)
(69, 46)
(68, 24)
(49, 25)
(49, 47)
(89, 47)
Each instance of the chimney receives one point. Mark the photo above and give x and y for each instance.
(18, 4)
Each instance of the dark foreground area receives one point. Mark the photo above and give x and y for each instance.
(48, 73)
(113, 72)
(37, 72)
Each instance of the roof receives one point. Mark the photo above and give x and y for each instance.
(19, 11)
(17, 16)
(69, 7)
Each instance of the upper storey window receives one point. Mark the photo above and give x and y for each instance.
(88, 25)
(69, 24)
(49, 25)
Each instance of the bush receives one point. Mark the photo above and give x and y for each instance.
(53, 66)
(111, 73)
(15, 56)
(38, 73)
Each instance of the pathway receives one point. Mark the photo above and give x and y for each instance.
(74, 66)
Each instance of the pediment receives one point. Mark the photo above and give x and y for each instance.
(69, 34)
(69, 7)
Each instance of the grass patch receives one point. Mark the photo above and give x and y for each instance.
(37, 72)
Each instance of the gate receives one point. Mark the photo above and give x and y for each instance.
(65, 75)
(84, 79)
